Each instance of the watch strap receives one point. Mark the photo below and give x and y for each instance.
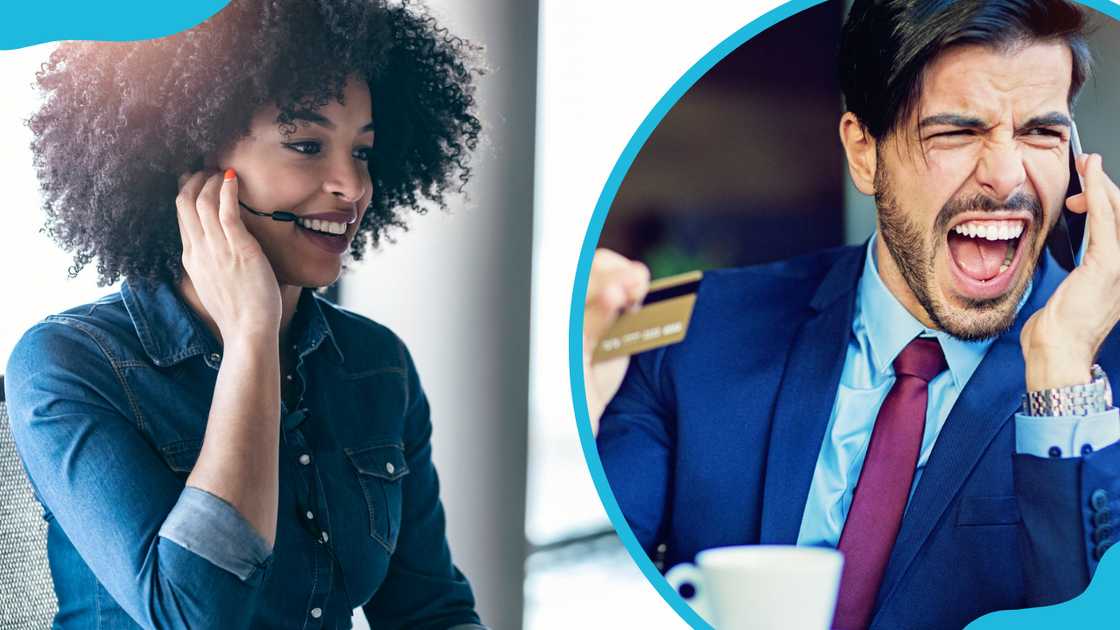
(1074, 400)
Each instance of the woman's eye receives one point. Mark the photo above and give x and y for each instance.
(306, 148)
(364, 154)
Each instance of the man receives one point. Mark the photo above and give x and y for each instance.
(871, 398)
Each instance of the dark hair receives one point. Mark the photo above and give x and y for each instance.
(121, 121)
(886, 45)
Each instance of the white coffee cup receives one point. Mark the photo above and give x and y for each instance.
(763, 587)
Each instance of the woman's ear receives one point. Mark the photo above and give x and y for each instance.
(860, 149)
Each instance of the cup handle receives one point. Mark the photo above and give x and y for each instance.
(686, 573)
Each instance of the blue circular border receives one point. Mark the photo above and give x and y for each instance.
(583, 269)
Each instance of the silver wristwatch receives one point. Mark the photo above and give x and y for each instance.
(1075, 400)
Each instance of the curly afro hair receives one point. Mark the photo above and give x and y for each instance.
(121, 121)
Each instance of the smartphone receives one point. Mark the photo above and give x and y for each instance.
(1066, 241)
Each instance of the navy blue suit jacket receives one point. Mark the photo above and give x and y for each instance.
(712, 442)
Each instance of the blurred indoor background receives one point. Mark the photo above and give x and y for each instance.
(746, 168)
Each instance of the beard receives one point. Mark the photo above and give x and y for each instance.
(914, 255)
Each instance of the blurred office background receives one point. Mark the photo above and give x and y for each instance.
(746, 168)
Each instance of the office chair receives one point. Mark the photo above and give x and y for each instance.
(27, 599)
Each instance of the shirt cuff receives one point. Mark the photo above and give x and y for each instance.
(1066, 436)
(213, 529)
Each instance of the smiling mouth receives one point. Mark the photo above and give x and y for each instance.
(324, 228)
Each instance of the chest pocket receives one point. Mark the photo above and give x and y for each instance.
(379, 469)
(989, 511)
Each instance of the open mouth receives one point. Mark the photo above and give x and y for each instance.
(985, 254)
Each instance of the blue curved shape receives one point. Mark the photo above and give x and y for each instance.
(29, 23)
(1091, 606)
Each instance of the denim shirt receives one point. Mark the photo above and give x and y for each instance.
(109, 403)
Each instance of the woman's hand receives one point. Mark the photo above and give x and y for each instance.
(615, 285)
(230, 273)
(235, 283)
(1061, 340)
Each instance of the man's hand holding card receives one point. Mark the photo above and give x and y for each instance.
(624, 314)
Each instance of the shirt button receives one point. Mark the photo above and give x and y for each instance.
(215, 357)
(305, 459)
(310, 515)
(316, 612)
(1086, 449)
(389, 467)
(289, 377)
(1055, 451)
(326, 537)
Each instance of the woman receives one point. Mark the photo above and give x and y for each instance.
(216, 446)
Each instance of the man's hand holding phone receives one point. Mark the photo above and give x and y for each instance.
(1061, 340)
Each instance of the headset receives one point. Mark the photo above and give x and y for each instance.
(279, 215)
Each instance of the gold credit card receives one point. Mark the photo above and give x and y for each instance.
(662, 319)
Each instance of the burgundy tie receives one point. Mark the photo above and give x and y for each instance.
(884, 484)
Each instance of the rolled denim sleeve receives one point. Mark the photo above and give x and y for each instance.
(423, 589)
(77, 429)
(1071, 436)
(211, 527)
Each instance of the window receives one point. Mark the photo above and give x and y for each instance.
(36, 283)
(599, 74)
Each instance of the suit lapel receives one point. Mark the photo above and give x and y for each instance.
(989, 400)
(805, 399)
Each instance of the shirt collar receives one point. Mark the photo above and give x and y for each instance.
(310, 326)
(171, 332)
(890, 327)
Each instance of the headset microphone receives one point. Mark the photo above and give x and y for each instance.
(279, 215)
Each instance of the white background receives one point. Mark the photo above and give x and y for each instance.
(602, 68)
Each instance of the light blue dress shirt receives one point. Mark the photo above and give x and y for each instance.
(881, 328)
